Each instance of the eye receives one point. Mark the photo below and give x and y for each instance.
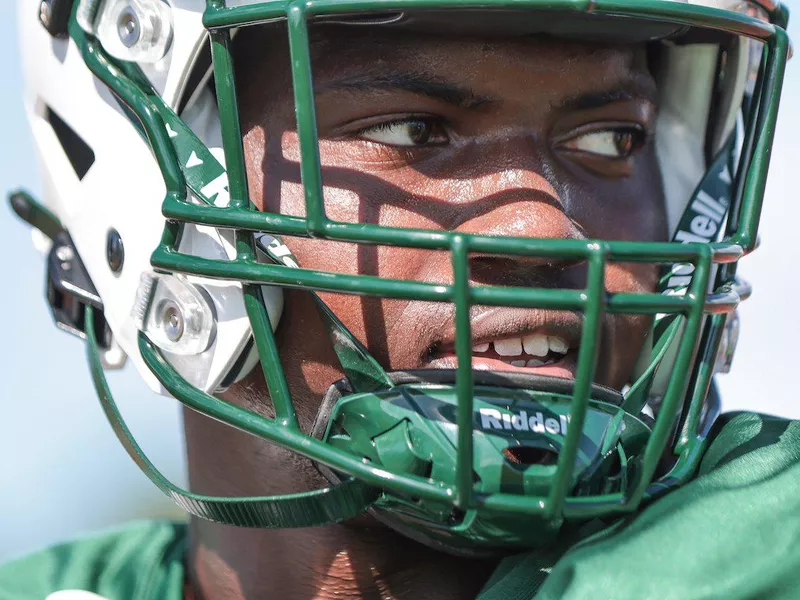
(619, 142)
(406, 133)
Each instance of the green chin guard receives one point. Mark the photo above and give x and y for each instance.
(520, 422)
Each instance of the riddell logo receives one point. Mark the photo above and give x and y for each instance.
(491, 418)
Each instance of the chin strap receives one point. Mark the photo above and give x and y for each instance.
(333, 504)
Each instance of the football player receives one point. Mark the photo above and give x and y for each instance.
(443, 286)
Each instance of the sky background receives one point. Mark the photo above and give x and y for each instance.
(62, 470)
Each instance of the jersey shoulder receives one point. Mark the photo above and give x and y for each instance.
(140, 560)
(729, 533)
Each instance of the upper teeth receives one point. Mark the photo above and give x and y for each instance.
(534, 344)
(509, 347)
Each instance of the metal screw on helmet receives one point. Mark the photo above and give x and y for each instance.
(172, 321)
(65, 253)
(115, 251)
(128, 27)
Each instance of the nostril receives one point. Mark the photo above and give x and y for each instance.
(527, 271)
(527, 455)
(492, 268)
(492, 261)
(495, 270)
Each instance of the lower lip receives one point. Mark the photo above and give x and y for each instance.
(564, 368)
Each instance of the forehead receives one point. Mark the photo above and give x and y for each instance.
(340, 53)
(332, 43)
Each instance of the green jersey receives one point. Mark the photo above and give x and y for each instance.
(731, 533)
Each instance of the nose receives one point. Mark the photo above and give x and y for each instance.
(529, 208)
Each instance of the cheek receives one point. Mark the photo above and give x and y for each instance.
(352, 192)
(372, 319)
(631, 277)
(626, 332)
(350, 196)
(630, 208)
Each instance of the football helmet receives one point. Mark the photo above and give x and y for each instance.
(156, 254)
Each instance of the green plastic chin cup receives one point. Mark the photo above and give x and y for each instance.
(518, 435)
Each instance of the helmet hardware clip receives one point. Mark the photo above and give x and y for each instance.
(54, 16)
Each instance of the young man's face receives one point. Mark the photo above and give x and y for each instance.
(511, 137)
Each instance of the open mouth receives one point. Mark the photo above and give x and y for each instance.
(536, 352)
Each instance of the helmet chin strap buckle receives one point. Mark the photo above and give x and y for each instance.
(69, 289)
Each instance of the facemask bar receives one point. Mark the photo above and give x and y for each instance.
(592, 301)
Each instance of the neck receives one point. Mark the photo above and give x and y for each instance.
(346, 562)
(360, 559)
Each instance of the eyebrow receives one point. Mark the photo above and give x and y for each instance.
(430, 87)
(639, 87)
